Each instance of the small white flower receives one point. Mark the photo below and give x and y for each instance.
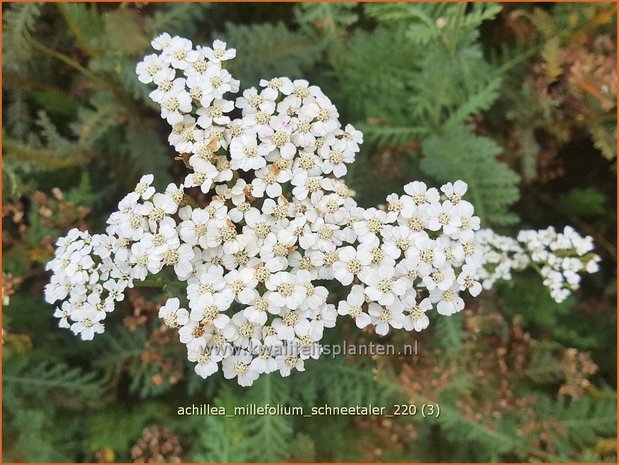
(455, 191)
(252, 102)
(179, 53)
(291, 323)
(276, 248)
(239, 367)
(336, 159)
(382, 285)
(215, 113)
(276, 136)
(416, 319)
(448, 301)
(175, 103)
(466, 280)
(144, 188)
(246, 154)
(193, 231)
(172, 314)
(64, 313)
(385, 317)
(353, 306)
(285, 291)
(206, 361)
(219, 53)
(350, 263)
(87, 323)
(243, 284)
(149, 67)
(162, 41)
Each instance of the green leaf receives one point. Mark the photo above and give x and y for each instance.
(176, 18)
(585, 202)
(18, 21)
(605, 138)
(92, 124)
(272, 430)
(326, 16)
(450, 334)
(583, 419)
(118, 427)
(68, 386)
(374, 80)
(224, 438)
(544, 367)
(268, 50)
(476, 102)
(85, 24)
(123, 31)
(457, 153)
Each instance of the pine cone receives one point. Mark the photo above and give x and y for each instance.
(157, 444)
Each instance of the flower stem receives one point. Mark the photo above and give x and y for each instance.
(65, 59)
(455, 38)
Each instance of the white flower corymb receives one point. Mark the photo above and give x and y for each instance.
(274, 222)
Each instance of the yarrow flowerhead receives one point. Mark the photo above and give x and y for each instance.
(279, 223)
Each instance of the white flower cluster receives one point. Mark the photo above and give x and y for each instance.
(278, 225)
(560, 257)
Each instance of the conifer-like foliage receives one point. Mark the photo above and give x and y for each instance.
(518, 100)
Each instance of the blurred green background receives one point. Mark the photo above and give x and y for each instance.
(519, 100)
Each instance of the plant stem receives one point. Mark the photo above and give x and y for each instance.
(46, 157)
(455, 38)
(79, 37)
(66, 60)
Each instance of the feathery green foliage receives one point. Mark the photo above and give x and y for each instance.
(457, 152)
(268, 50)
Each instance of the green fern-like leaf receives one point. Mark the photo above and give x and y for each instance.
(382, 134)
(176, 18)
(123, 32)
(428, 22)
(33, 442)
(449, 334)
(390, 13)
(479, 13)
(69, 386)
(346, 383)
(269, 50)
(91, 125)
(326, 15)
(122, 353)
(476, 103)
(272, 430)
(18, 20)
(147, 152)
(457, 153)
(374, 79)
(585, 202)
(127, 78)
(82, 194)
(85, 24)
(485, 443)
(17, 116)
(544, 368)
(543, 22)
(118, 427)
(51, 135)
(605, 139)
(583, 419)
(224, 438)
